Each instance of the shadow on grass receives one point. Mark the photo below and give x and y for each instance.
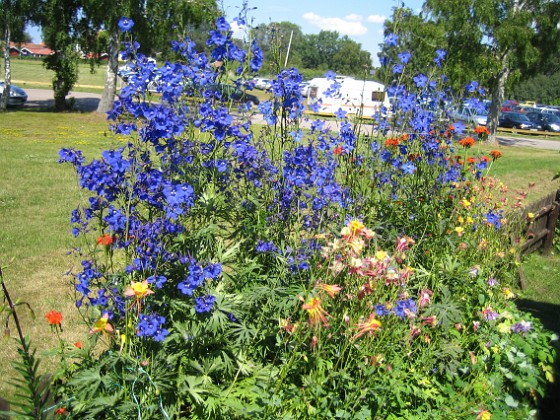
(47, 105)
(549, 314)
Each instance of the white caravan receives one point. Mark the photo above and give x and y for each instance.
(354, 96)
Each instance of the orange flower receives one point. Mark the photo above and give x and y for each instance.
(331, 289)
(467, 142)
(54, 317)
(481, 130)
(316, 312)
(495, 154)
(60, 411)
(471, 160)
(370, 326)
(337, 150)
(104, 240)
(391, 142)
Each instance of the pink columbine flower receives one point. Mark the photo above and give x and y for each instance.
(424, 297)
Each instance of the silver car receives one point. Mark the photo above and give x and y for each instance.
(470, 115)
(18, 97)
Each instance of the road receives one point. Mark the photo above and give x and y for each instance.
(87, 102)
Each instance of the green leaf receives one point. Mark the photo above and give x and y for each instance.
(510, 401)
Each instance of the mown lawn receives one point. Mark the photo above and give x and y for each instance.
(37, 195)
(32, 74)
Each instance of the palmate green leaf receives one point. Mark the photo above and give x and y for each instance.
(193, 386)
(87, 381)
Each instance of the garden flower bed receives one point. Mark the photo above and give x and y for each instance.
(292, 273)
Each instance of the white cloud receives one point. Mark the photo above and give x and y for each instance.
(376, 18)
(353, 17)
(239, 31)
(342, 26)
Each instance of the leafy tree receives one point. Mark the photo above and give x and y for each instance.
(156, 23)
(177, 19)
(13, 17)
(350, 58)
(274, 39)
(327, 51)
(495, 41)
(417, 36)
(62, 30)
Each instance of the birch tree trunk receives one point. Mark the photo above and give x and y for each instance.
(497, 99)
(108, 97)
(7, 71)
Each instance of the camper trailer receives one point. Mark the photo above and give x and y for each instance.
(354, 96)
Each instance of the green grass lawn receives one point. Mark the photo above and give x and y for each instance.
(31, 73)
(37, 195)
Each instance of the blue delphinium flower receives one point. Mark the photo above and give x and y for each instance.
(151, 326)
(472, 86)
(125, 24)
(204, 304)
(440, 56)
(404, 57)
(391, 40)
(420, 80)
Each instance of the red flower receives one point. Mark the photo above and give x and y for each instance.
(78, 344)
(54, 317)
(105, 240)
(338, 150)
(60, 411)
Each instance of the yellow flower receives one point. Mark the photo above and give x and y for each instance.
(508, 293)
(530, 216)
(381, 255)
(459, 230)
(466, 203)
(138, 289)
(102, 325)
(484, 415)
(316, 312)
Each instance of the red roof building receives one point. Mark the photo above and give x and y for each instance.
(28, 49)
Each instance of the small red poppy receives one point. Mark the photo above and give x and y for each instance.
(54, 317)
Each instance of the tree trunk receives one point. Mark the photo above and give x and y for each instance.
(108, 97)
(7, 71)
(498, 94)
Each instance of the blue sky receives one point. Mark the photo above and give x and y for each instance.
(361, 20)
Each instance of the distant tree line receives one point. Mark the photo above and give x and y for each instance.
(284, 43)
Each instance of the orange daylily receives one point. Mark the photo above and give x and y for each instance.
(370, 326)
(316, 312)
(331, 289)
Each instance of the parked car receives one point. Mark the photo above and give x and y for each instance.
(233, 93)
(470, 115)
(549, 122)
(304, 89)
(262, 84)
(517, 120)
(17, 97)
